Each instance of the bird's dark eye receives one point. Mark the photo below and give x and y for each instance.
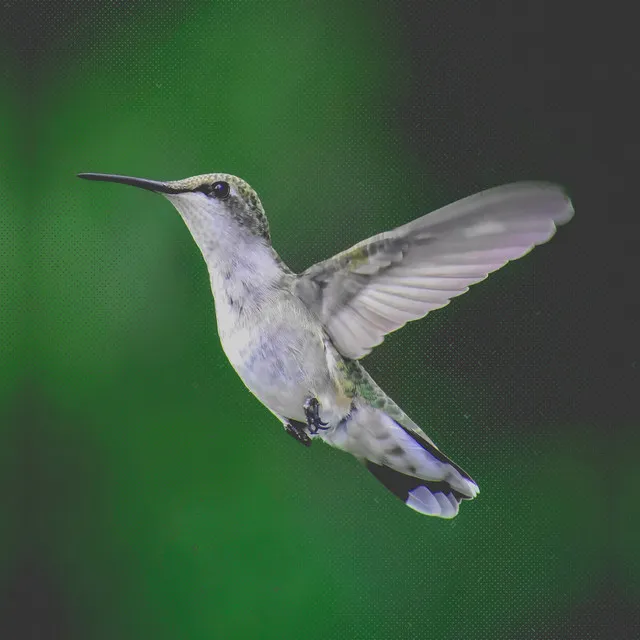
(220, 190)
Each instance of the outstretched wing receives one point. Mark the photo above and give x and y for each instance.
(384, 282)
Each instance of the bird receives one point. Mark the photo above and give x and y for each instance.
(296, 339)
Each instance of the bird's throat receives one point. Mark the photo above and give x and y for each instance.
(244, 278)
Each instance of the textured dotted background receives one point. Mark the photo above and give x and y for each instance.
(145, 493)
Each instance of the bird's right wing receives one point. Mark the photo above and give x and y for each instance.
(384, 282)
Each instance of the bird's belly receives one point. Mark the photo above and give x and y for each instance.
(280, 366)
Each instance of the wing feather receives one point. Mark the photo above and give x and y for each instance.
(384, 282)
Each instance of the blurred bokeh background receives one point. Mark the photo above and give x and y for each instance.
(145, 493)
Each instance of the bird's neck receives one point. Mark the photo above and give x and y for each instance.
(243, 267)
(243, 276)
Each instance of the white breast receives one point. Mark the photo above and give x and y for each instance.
(271, 338)
(279, 355)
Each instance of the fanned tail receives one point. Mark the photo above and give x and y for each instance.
(430, 497)
(408, 464)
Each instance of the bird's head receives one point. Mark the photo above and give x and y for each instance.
(218, 208)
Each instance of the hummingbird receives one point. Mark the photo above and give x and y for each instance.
(296, 339)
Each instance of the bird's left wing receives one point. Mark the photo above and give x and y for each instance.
(384, 282)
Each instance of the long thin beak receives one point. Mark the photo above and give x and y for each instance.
(143, 183)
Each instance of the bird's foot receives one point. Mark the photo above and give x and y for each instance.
(298, 431)
(311, 411)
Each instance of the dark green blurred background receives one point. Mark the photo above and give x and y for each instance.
(145, 493)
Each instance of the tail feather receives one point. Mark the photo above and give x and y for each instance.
(435, 452)
(432, 498)
(413, 468)
(404, 460)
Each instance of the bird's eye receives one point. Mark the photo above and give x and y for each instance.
(220, 190)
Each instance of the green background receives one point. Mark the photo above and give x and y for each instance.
(145, 492)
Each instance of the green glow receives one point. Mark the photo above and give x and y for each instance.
(173, 505)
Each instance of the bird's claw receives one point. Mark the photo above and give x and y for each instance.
(311, 411)
(297, 431)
